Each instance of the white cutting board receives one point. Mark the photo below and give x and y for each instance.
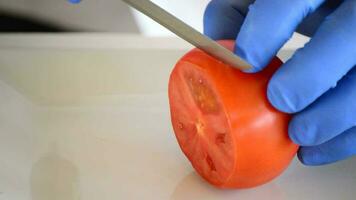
(86, 117)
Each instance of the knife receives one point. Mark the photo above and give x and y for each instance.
(188, 33)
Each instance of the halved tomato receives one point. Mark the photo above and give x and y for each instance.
(224, 123)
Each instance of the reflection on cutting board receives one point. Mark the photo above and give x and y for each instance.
(54, 177)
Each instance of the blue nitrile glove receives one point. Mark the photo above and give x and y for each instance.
(75, 1)
(318, 83)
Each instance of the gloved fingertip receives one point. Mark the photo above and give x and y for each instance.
(242, 54)
(74, 1)
(279, 97)
(307, 157)
(301, 158)
(293, 133)
(311, 156)
(300, 132)
(303, 131)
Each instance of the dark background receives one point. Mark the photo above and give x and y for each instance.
(62, 16)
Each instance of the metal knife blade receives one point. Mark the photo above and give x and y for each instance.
(188, 33)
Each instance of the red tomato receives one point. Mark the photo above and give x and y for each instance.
(224, 123)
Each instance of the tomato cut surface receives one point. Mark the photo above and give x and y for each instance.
(224, 123)
(200, 123)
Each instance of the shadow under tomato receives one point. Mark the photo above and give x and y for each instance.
(194, 187)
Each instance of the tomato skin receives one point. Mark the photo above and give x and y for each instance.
(260, 146)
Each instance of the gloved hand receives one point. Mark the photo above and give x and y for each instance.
(74, 1)
(318, 83)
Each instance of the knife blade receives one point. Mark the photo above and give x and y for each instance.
(188, 33)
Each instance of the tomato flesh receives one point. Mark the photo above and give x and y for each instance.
(200, 124)
(224, 123)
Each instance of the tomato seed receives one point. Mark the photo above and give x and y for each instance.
(203, 95)
(180, 125)
(200, 127)
(220, 138)
(210, 163)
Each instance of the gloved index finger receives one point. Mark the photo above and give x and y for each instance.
(267, 26)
